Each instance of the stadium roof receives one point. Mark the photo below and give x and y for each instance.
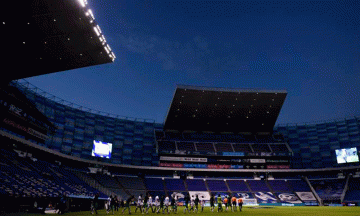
(224, 110)
(46, 36)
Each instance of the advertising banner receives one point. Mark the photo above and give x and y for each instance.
(306, 196)
(278, 166)
(288, 198)
(24, 129)
(203, 195)
(257, 161)
(222, 194)
(219, 166)
(185, 159)
(233, 154)
(180, 195)
(267, 154)
(178, 165)
(265, 197)
(200, 166)
(25, 114)
(277, 161)
(243, 195)
(237, 166)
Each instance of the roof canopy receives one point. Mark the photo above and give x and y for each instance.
(45, 36)
(204, 109)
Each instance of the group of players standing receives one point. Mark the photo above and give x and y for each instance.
(229, 203)
(163, 204)
(157, 205)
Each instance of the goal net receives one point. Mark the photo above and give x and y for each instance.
(250, 202)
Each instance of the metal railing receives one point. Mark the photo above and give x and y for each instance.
(27, 86)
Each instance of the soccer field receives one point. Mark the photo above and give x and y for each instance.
(276, 211)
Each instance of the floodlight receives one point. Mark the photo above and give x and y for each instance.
(96, 31)
(82, 2)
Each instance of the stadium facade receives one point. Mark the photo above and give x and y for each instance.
(76, 129)
(314, 144)
(134, 142)
(48, 143)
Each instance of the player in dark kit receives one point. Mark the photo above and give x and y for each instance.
(187, 199)
(95, 203)
(212, 203)
(240, 203)
(233, 202)
(116, 200)
(127, 205)
(173, 204)
(145, 206)
(161, 204)
(228, 203)
(112, 204)
(196, 203)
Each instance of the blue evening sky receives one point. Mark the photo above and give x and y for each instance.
(309, 48)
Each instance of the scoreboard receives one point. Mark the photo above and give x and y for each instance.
(261, 160)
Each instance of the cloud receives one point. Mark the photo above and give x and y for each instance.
(136, 44)
(172, 54)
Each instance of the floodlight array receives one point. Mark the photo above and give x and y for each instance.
(83, 3)
(88, 13)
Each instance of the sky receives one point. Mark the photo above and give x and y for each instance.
(309, 48)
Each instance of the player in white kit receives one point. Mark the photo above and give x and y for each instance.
(139, 203)
(157, 203)
(166, 204)
(150, 205)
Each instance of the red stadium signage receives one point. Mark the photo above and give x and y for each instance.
(15, 125)
(219, 166)
(25, 129)
(278, 166)
(178, 165)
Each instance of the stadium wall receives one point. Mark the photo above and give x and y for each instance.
(314, 144)
(134, 139)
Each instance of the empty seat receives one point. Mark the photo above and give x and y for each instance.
(129, 182)
(167, 145)
(154, 184)
(223, 147)
(258, 185)
(208, 147)
(260, 147)
(187, 146)
(175, 185)
(299, 185)
(196, 185)
(242, 147)
(279, 147)
(279, 186)
(237, 185)
(217, 185)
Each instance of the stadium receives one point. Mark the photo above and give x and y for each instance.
(213, 142)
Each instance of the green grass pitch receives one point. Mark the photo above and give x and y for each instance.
(271, 211)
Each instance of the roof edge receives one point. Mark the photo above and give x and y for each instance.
(220, 89)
